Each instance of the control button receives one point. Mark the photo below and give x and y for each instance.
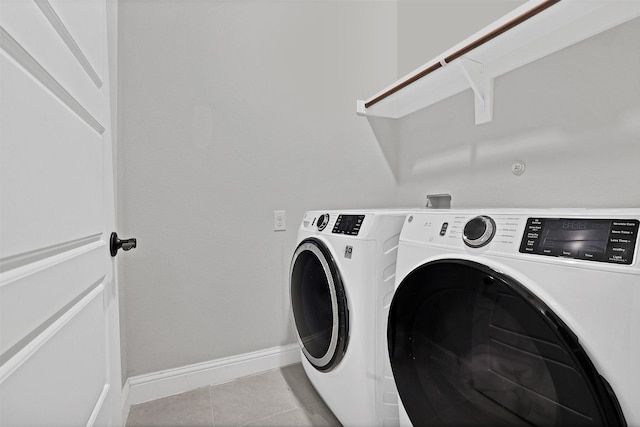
(619, 250)
(479, 231)
(475, 228)
(622, 250)
(624, 227)
(568, 253)
(531, 236)
(619, 259)
(323, 220)
(591, 256)
(443, 229)
(621, 241)
(623, 232)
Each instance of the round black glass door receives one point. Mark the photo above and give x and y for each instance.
(319, 305)
(470, 346)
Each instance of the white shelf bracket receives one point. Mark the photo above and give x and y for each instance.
(361, 110)
(482, 86)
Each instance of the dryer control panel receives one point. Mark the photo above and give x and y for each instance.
(348, 224)
(603, 240)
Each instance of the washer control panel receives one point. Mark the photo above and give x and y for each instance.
(595, 236)
(603, 240)
(498, 232)
(348, 224)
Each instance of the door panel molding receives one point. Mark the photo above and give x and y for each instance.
(68, 39)
(37, 71)
(24, 330)
(13, 364)
(51, 168)
(25, 22)
(77, 341)
(20, 260)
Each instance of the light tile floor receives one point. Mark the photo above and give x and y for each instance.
(281, 397)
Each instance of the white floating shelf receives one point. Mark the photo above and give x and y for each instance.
(558, 26)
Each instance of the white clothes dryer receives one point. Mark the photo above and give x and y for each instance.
(510, 317)
(341, 282)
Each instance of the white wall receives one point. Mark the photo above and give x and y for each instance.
(572, 117)
(429, 27)
(229, 110)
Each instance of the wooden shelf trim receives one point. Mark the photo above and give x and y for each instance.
(464, 50)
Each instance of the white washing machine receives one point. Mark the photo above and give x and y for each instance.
(509, 317)
(341, 281)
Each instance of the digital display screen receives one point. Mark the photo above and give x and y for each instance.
(348, 224)
(570, 237)
(604, 240)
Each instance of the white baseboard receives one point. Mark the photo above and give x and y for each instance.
(125, 403)
(143, 388)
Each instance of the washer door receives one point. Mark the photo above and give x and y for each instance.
(469, 345)
(319, 305)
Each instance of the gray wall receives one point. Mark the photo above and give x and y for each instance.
(572, 117)
(229, 110)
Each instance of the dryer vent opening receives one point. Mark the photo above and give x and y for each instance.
(469, 345)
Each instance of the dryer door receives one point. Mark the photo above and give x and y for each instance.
(469, 345)
(319, 305)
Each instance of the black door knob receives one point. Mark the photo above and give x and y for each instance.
(124, 244)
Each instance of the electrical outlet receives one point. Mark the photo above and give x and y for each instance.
(279, 220)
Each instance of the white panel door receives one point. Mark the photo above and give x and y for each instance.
(59, 328)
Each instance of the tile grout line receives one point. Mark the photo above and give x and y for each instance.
(292, 399)
(269, 416)
(213, 415)
(294, 403)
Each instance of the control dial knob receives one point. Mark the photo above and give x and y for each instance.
(479, 231)
(322, 222)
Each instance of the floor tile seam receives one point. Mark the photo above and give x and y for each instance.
(213, 415)
(300, 404)
(269, 416)
(291, 398)
(314, 402)
(313, 406)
